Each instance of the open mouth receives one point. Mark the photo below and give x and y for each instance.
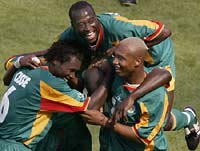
(117, 69)
(91, 37)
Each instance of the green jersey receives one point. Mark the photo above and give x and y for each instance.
(30, 102)
(146, 117)
(114, 28)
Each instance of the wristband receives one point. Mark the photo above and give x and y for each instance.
(17, 62)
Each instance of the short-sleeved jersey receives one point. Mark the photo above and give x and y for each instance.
(146, 117)
(29, 104)
(116, 28)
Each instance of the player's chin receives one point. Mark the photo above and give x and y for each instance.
(118, 72)
(91, 41)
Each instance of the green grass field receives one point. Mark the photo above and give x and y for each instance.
(29, 25)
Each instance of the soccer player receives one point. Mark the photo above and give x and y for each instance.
(96, 34)
(147, 117)
(30, 105)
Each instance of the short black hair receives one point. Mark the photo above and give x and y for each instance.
(78, 6)
(62, 51)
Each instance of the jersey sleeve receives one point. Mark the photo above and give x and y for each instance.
(145, 29)
(9, 62)
(171, 84)
(153, 113)
(57, 96)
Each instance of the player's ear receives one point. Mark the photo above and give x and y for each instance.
(138, 61)
(54, 62)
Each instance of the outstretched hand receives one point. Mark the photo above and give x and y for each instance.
(122, 109)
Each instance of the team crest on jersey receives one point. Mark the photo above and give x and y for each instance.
(118, 99)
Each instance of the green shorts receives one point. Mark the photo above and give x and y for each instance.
(73, 133)
(68, 133)
(12, 145)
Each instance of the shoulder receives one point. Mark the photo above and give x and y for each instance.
(155, 96)
(113, 26)
(68, 34)
(107, 18)
(52, 83)
(108, 15)
(43, 74)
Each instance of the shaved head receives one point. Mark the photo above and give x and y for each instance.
(135, 46)
(129, 58)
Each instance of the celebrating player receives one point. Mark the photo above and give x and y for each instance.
(148, 115)
(34, 96)
(97, 34)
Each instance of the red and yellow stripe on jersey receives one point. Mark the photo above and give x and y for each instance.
(155, 25)
(53, 100)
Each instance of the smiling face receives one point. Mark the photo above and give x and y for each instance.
(64, 59)
(124, 62)
(85, 24)
(66, 70)
(129, 59)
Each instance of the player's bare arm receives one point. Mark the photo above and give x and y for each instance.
(100, 94)
(36, 53)
(165, 33)
(97, 118)
(29, 60)
(154, 79)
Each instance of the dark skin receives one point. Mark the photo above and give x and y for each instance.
(67, 70)
(95, 117)
(128, 65)
(85, 23)
(153, 77)
(26, 61)
(162, 36)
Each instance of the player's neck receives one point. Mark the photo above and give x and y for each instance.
(136, 77)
